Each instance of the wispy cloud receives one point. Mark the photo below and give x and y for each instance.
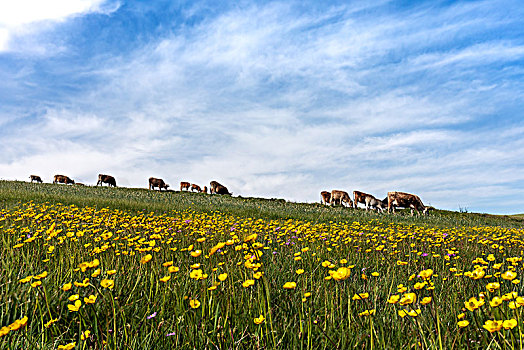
(284, 100)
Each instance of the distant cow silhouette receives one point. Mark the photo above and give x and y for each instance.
(154, 182)
(325, 197)
(108, 179)
(368, 200)
(406, 200)
(35, 178)
(340, 197)
(63, 179)
(184, 186)
(196, 188)
(217, 188)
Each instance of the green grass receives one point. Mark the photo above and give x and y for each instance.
(132, 199)
(55, 228)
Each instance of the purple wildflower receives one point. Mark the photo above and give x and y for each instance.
(151, 316)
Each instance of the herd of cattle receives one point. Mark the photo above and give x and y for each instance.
(392, 201)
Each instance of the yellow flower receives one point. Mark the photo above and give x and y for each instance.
(258, 275)
(25, 280)
(394, 299)
(425, 274)
(472, 304)
(67, 287)
(248, 283)
(341, 274)
(85, 335)
(408, 298)
(477, 274)
(69, 346)
(367, 313)
(402, 313)
(18, 324)
(111, 272)
(48, 324)
(401, 288)
(463, 323)
(425, 300)
(107, 283)
(492, 286)
(74, 297)
(90, 300)
(96, 273)
(509, 275)
(461, 316)
(196, 253)
(172, 269)
(167, 263)
(259, 320)
(4, 331)
(165, 278)
(496, 301)
(414, 313)
(375, 274)
(493, 326)
(222, 276)
(36, 284)
(509, 324)
(147, 258)
(419, 285)
(290, 285)
(74, 307)
(360, 296)
(299, 271)
(194, 303)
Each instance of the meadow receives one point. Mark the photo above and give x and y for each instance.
(94, 268)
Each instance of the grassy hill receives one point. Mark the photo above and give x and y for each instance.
(136, 199)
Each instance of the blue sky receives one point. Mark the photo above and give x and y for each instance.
(273, 99)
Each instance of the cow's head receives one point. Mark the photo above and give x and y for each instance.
(166, 186)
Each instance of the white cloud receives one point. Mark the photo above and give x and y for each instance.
(28, 18)
(278, 104)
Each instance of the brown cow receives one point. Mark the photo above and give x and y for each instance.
(195, 187)
(63, 179)
(218, 188)
(184, 185)
(368, 200)
(406, 200)
(325, 197)
(205, 189)
(340, 197)
(108, 179)
(35, 178)
(154, 182)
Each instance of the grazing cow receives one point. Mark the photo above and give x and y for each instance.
(218, 188)
(195, 187)
(325, 197)
(340, 197)
(184, 185)
(108, 179)
(35, 178)
(154, 182)
(79, 184)
(63, 179)
(406, 200)
(368, 200)
(205, 189)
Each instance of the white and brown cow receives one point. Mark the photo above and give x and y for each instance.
(368, 200)
(340, 197)
(217, 188)
(108, 179)
(154, 182)
(325, 197)
(406, 200)
(35, 178)
(184, 186)
(62, 179)
(196, 188)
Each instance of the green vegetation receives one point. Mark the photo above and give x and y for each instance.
(135, 200)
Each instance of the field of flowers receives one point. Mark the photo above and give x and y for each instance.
(78, 277)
